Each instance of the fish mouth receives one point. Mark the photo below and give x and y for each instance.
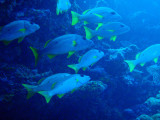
(36, 26)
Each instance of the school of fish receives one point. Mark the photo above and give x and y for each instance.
(108, 27)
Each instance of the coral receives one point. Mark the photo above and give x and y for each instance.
(144, 117)
(114, 59)
(154, 70)
(94, 86)
(153, 102)
(156, 116)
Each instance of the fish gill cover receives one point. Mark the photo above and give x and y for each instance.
(79, 60)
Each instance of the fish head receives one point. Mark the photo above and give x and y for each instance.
(89, 43)
(119, 28)
(100, 54)
(82, 79)
(31, 27)
(124, 28)
(83, 43)
(113, 15)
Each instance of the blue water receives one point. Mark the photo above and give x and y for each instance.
(113, 92)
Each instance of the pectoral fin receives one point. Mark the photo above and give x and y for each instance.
(99, 25)
(86, 11)
(100, 16)
(100, 38)
(113, 38)
(53, 85)
(155, 60)
(111, 31)
(85, 23)
(79, 60)
(137, 56)
(74, 43)
(22, 30)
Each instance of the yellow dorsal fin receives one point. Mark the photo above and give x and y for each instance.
(100, 38)
(60, 95)
(113, 38)
(51, 56)
(137, 56)
(46, 43)
(99, 25)
(74, 43)
(40, 81)
(86, 11)
(22, 30)
(70, 54)
(100, 16)
(53, 85)
(156, 60)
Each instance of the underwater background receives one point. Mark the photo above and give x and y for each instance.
(113, 93)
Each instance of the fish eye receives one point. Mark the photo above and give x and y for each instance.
(113, 13)
(122, 25)
(82, 75)
(83, 38)
(31, 22)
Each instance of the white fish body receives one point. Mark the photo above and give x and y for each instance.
(89, 58)
(46, 84)
(73, 82)
(17, 29)
(109, 30)
(149, 54)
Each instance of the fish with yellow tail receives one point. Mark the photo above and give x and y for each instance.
(62, 6)
(69, 43)
(89, 58)
(17, 30)
(68, 85)
(95, 16)
(45, 84)
(149, 54)
(110, 30)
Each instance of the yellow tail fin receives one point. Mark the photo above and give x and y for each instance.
(75, 17)
(30, 90)
(74, 67)
(131, 64)
(89, 33)
(35, 52)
